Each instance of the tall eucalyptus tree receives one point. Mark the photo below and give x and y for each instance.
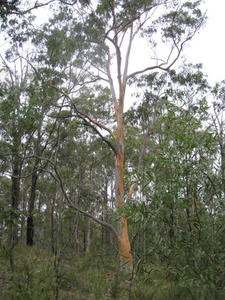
(109, 31)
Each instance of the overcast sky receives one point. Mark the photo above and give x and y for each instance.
(208, 46)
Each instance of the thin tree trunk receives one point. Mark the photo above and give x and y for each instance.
(15, 194)
(76, 234)
(24, 204)
(171, 230)
(31, 203)
(53, 233)
(105, 231)
(39, 233)
(60, 206)
(30, 221)
(88, 239)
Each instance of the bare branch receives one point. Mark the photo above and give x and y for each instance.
(58, 179)
(147, 69)
(165, 66)
(128, 55)
(115, 42)
(83, 114)
(36, 5)
(86, 123)
(110, 78)
(101, 136)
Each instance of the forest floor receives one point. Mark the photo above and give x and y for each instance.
(38, 275)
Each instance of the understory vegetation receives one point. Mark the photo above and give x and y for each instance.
(98, 276)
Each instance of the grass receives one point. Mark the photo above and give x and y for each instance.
(90, 278)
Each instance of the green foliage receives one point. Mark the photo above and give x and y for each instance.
(32, 277)
(181, 22)
(7, 8)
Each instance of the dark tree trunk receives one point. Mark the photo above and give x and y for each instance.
(30, 221)
(32, 199)
(23, 220)
(30, 231)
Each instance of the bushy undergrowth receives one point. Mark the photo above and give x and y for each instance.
(94, 277)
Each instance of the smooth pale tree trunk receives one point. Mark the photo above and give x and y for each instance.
(123, 238)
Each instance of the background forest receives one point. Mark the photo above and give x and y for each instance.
(112, 174)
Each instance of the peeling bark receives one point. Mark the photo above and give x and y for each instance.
(124, 245)
(123, 238)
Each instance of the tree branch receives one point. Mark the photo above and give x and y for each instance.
(128, 55)
(58, 179)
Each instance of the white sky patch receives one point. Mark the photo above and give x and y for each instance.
(208, 46)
